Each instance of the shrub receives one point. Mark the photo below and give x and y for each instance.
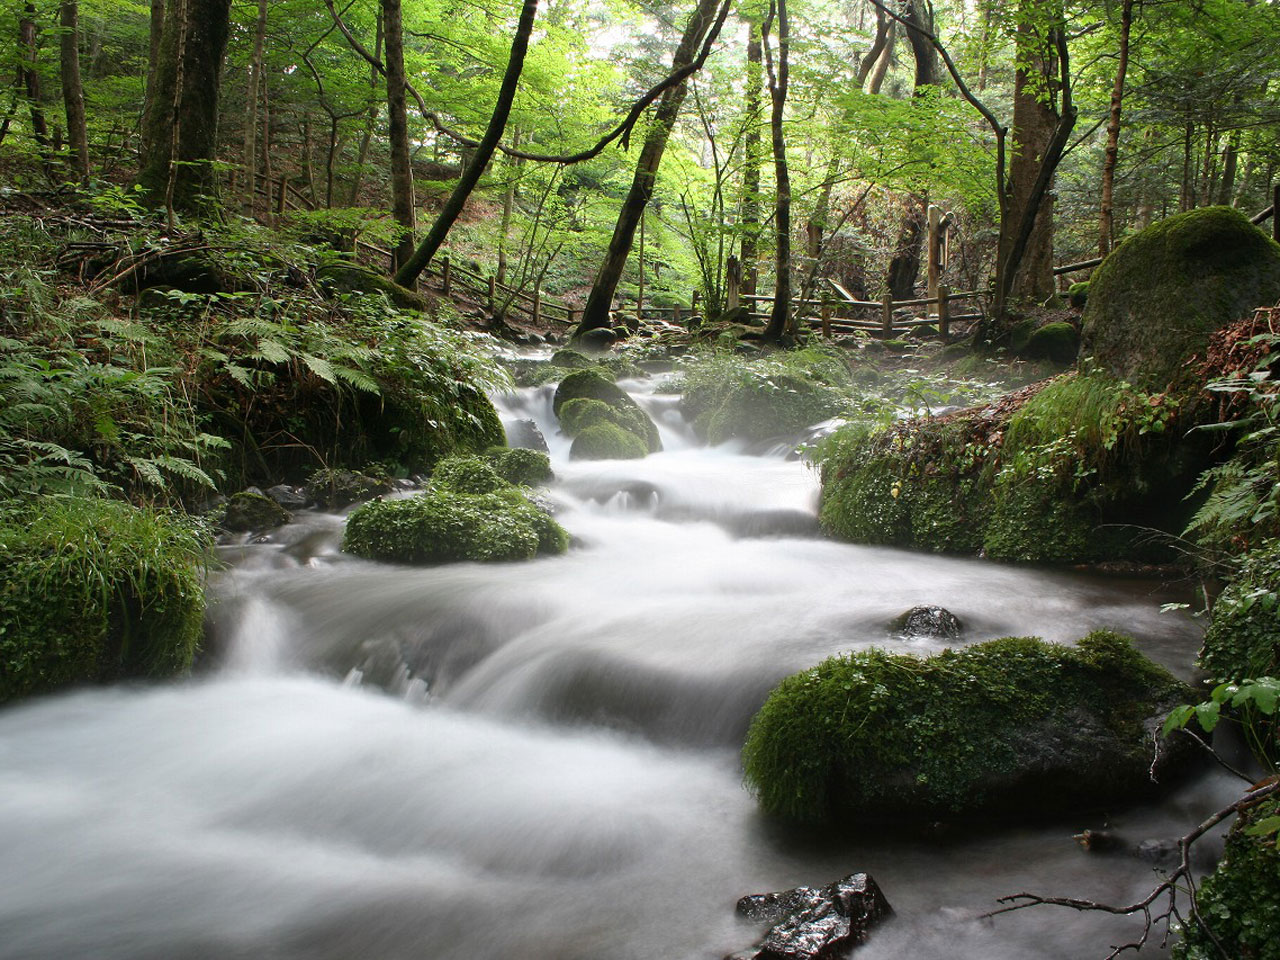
(96, 590)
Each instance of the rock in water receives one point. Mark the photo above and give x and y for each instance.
(525, 434)
(252, 510)
(810, 923)
(928, 623)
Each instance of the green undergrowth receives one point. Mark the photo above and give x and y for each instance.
(468, 512)
(1075, 470)
(263, 374)
(96, 590)
(1013, 725)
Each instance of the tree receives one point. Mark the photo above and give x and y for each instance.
(600, 301)
(778, 79)
(73, 89)
(181, 138)
(1105, 220)
(402, 203)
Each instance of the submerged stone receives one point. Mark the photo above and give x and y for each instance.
(928, 623)
(524, 434)
(810, 923)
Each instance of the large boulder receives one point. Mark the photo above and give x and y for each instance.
(250, 510)
(1014, 726)
(811, 923)
(588, 403)
(1162, 292)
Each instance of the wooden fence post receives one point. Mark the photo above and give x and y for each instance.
(697, 297)
(826, 319)
(944, 312)
(446, 274)
(733, 284)
(934, 251)
(493, 291)
(677, 314)
(568, 315)
(886, 314)
(537, 302)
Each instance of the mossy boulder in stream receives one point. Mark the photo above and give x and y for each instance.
(1243, 639)
(603, 420)
(1156, 299)
(467, 513)
(1014, 726)
(249, 510)
(96, 590)
(522, 466)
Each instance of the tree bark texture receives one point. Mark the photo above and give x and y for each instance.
(182, 137)
(751, 166)
(408, 274)
(158, 8)
(73, 89)
(402, 203)
(778, 81)
(1106, 223)
(29, 82)
(595, 315)
(252, 96)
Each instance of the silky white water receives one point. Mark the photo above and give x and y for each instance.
(532, 760)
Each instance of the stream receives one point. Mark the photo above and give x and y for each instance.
(536, 760)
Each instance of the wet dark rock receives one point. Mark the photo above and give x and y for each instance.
(251, 510)
(291, 498)
(1159, 852)
(596, 341)
(928, 623)
(335, 489)
(815, 922)
(525, 433)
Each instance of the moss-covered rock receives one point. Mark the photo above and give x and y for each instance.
(607, 441)
(1078, 294)
(467, 475)
(1243, 639)
(605, 423)
(1058, 342)
(1239, 903)
(444, 525)
(247, 510)
(335, 489)
(571, 359)
(96, 590)
(1015, 726)
(1156, 299)
(353, 278)
(522, 466)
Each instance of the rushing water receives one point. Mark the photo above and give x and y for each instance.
(531, 760)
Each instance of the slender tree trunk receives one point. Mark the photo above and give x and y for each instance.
(881, 67)
(904, 266)
(778, 80)
(751, 165)
(452, 208)
(153, 64)
(600, 301)
(1106, 224)
(30, 83)
(251, 110)
(178, 169)
(402, 205)
(366, 136)
(1230, 160)
(884, 26)
(73, 90)
(508, 206)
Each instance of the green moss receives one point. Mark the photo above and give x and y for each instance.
(443, 526)
(467, 475)
(1012, 725)
(96, 590)
(526, 468)
(628, 416)
(1158, 296)
(1243, 639)
(253, 511)
(571, 360)
(1034, 522)
(1239, 903)
(1078, 294)
(607, 441)
(335, 489)
(1058, 342)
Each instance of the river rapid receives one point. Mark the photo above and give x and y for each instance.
(535, 760)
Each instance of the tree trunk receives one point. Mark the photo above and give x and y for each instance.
(881, 67)
(1035, 118)
(904, 266)
(73, 90)
(251, 109)
(402, 205)
(452, 208)
(883, 28)
(1106, 224)
(371, 120)
(153, 65)
(508, 207)
(778, 80)
(29, 78)
(177, 169)
(600, 301)
(1230, 161)
(751, 166)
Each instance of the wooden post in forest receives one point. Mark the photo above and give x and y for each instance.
(933, 253)
(826, 319)
(886, 314)
(446, 274)
(733, 284)
(537, 303)
(677, 314)
(696, 299)
(568, 315)
(493, 291)
(944, 312)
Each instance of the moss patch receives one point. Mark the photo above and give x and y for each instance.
(522, 467)
(1162, 292)
(252, 511)
(1014, 725)
(1243, 639)
(96, 590)
(607, 441)
(593, 385)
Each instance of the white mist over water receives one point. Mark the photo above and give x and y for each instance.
(571, 788)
